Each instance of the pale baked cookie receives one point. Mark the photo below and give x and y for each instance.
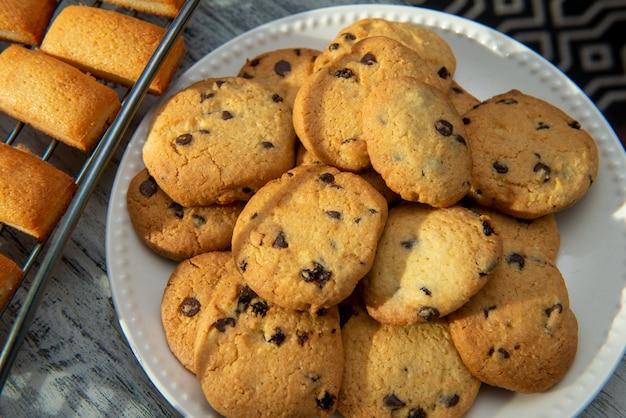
(429, 263)
(327, 110)
(529, 157)
(537, 236)
(518, 332)
(401, 371)
(416, 141)
(172, 230)
(462, 100)
(304, 241)
(186, 295)
(431, 47)
(218, 141)
(283, 70)
(256, 359)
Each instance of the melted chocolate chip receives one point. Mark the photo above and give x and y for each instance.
(500, 168)
(222, 323)
(282, 67)
(428, 313)
(245, 298)
(344, 73)
(449, 400)
(184, 139)
(276, 98)
(541, 125)
(443, 73)
(368, 59)
(487, 309)
(260, 308)
(460, 139)
(316, 275)
(255, 62)
(334, 46)
(408, 244)
(247, 76)
(443, 127)
(515, 258)
(189, 307)
(206, 95)
(326, 402)
(466, 121)
(487, 228)
(280, 241)
(333, 214)
(148, 187)
(198, 220)
(219, 83)
(392, 402)
(179, 211)
(266, 145)
(418, 412)
(574, 124)
(227, 115)
(348, 36)
(278, 337)
(326, 178)
(243, 265)
(544, 171)
(557, 307)
(345, 313)
(426, 291)
(303, 336)
(503, 353)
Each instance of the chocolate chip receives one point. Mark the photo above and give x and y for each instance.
(503, 353)
(574, 124)
(297, 51)
(544, 171)
(515, 258)
(206, 95)
(443, 73)
(260, 308)
(426, 291)
(247, 76)
(443, 127)
(184, 139)
(344, 73)
(487, 228)
(219, 83)
(326, 178)
(326, 402)
(246, 190)
(457, 90)
(556, 307)
(466, 121)
(189, 307)
(266, 145)
(316, 275)
(418, 412)
(278, 337)
(321, 311)
(179, 211)
(541, 125)
(282, 67)
(227, 115)
(198, 220)
(345, 313)
(368, 59)
(408, 244)
(392, 402)
(487, 309)
(372, 211)
(449, 400)
(460, 139)
(245, 298)
(276, 98)
(222, 323)
(500, 168)
(507, 101)
(255, 62)
(348, 36)
(148, 188)
(333, 214)
(280, 241)
(428, 313)
(303, 336)
(334, 46)
(243, 265)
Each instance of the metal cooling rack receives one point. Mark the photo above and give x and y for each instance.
(51, 250)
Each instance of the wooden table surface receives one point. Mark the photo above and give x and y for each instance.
(75, 360)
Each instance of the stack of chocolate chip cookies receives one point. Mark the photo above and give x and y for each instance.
(356, 232)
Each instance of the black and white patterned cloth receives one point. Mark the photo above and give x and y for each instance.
(584, 38)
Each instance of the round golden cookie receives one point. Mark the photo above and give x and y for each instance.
(283, 70)
(401, 371)
(173, 231)
(529, 157)
(186, 296)
(518, 332)
(462, 100)
(327, 110)
(429, 262)
(255, 359)
(415, 140)
(533, 236)
(431, 47)
(304, 241)
(218, 141)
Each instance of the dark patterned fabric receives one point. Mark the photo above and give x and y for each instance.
(585, 39)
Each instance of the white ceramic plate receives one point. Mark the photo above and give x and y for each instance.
(593, 232)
